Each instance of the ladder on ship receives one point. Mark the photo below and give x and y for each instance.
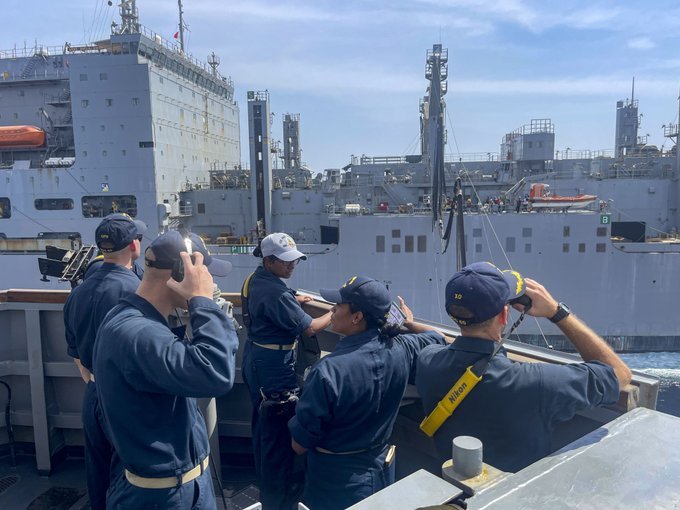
(77, 264)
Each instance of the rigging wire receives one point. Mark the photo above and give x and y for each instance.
(493, 230)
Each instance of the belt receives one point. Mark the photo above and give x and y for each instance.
(167, 482)
(351, 452)
(277, 347)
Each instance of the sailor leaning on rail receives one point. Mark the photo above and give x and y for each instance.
(118, 237)
(512, 407)
(148, 378)
(275, 319)
(351, 397)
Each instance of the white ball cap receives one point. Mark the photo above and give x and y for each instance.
(282, 246)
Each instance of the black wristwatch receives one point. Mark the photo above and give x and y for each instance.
(562, 312)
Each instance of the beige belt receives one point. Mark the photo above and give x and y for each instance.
(167, 482)
(278, 347)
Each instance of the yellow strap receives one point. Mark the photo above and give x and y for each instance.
(244, 290)
(450, 402)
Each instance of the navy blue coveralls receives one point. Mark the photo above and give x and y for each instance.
(348, 407)
(148, 380)
(84, 311)
(276, 318)
(515, 407)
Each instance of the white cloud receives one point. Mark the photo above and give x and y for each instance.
(641, 43)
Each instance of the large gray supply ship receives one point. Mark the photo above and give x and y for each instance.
(133, 124)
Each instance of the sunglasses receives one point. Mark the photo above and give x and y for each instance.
(289, 264)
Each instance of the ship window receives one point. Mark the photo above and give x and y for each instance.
(123, 152)
(478, 248)
(103, 76)
(53, 204)
(102, 127)
(600, 247)
(84, 103)
(108, 102)
(422, 244)
(527, 248)
(84, 154)
(82, 128)
(201, 208)
(5, 208)
(601, 231)
(396, 234)
(408, 244)
(135, 101)
(145, 145)
(16, 115)
(527, 232)
(98, 206)
(565, 231)
(581, 247)
(476, 232)
(104, 153)
(529, 144)
(83, 77)
(396, 248)
(380, 244)
(565, 247)
(160, 79)
(510, 244)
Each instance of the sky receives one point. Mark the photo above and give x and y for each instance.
(354, 69)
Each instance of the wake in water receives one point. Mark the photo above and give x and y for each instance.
(665, 366)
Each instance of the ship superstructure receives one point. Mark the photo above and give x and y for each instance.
(128, 123)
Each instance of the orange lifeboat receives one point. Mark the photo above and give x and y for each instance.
(21, 137)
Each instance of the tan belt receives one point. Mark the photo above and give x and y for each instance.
(389, 458)
(277, 347)
(167, 482)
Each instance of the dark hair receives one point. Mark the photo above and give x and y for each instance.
(258, 249)
(386, 332)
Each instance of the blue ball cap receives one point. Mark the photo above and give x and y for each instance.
(116, 231)
(483, 290)
(168, 246)
(368, 295)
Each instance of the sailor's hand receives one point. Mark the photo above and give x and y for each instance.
(405, 310)
(84, 372)
(303, 299)
(197, 280)
(542, 303)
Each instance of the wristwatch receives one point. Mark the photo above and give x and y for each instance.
(562, 312)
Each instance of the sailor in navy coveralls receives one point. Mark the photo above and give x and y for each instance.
(276, 320)
(118, 237)
(148, 378)
(516, 406)
(351, 397)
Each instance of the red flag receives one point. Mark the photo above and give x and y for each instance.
(176, 35)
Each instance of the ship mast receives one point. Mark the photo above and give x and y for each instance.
(129, 16)
(181, 26)
(437, 72)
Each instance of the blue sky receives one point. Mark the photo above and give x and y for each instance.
(354, 69)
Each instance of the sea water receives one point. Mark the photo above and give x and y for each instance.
(665, 366)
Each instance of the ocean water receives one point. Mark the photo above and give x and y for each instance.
(665, 366)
